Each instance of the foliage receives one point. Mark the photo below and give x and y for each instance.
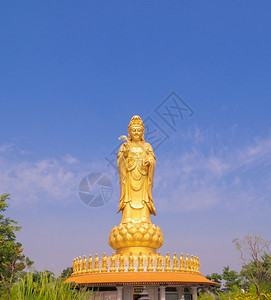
(12, 261)
(207, 296)
(251, 294)
(256, 258)
(66, 273)
(7, 226)
(46, 287)
(220, 295)
(232, 279)
(236, 294)
(17, 284)
(37, 276)
(265, 265)
(216, 278)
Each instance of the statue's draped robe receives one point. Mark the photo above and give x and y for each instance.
(136, 182)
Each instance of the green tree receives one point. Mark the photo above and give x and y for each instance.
(66, 273)
(216, 278)
(232, 278)
(265, 265)
(12, 261)
(256, 258)
(38, 275)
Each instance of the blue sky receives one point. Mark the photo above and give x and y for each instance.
(74, 73)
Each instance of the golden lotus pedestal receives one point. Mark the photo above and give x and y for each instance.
(136, 237)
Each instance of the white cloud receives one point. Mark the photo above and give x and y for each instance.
(36, 181)
(6, 147)
(198, 179)
(202, 178)
(54, 180)
(70, 159)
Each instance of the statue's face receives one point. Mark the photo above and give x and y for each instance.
(136, 133)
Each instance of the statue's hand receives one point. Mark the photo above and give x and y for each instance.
(146, 163)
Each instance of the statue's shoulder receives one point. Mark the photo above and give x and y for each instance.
(148, 146)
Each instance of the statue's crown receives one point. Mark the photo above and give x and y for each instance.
(136, 121)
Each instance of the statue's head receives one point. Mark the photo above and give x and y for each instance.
(136, 129)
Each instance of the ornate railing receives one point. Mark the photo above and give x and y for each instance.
(140, 263)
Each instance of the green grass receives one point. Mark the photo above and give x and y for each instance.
(47, 287)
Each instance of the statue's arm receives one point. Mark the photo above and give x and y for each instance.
(122, 174)
(150, 155)
(152, 163)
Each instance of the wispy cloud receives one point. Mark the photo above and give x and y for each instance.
(237, 178)
(4, 148)
(198, 179)
(43, 180)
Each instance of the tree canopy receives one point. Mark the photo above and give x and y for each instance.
(12, 260)
(256, 258)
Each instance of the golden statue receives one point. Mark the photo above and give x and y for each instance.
(187, 263)
(121, 263)
(104, 263)
(181, 263)
(131, 263)
(90, 264)
(175, 263)
(85, 265)
(192, 263)
(140, 263)
(96, 263)
(77, 265)
(80, 264)
(136, 164)
(197, 265)
(112, 263)
(167, 268)
(159, 262)
(150, 261)
(73, 266)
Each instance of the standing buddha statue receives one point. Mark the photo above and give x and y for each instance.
(85, 264)
(113, 263)
(96, 264)
(140, 263)
(89, 264)
(136, 164)
(181, 263)
(159, 263)
(175, 263)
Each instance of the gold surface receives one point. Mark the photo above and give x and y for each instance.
(136, 250)
(136, 164)
(140, 263)
(143, 237)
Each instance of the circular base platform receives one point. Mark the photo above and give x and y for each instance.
(140, 278)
